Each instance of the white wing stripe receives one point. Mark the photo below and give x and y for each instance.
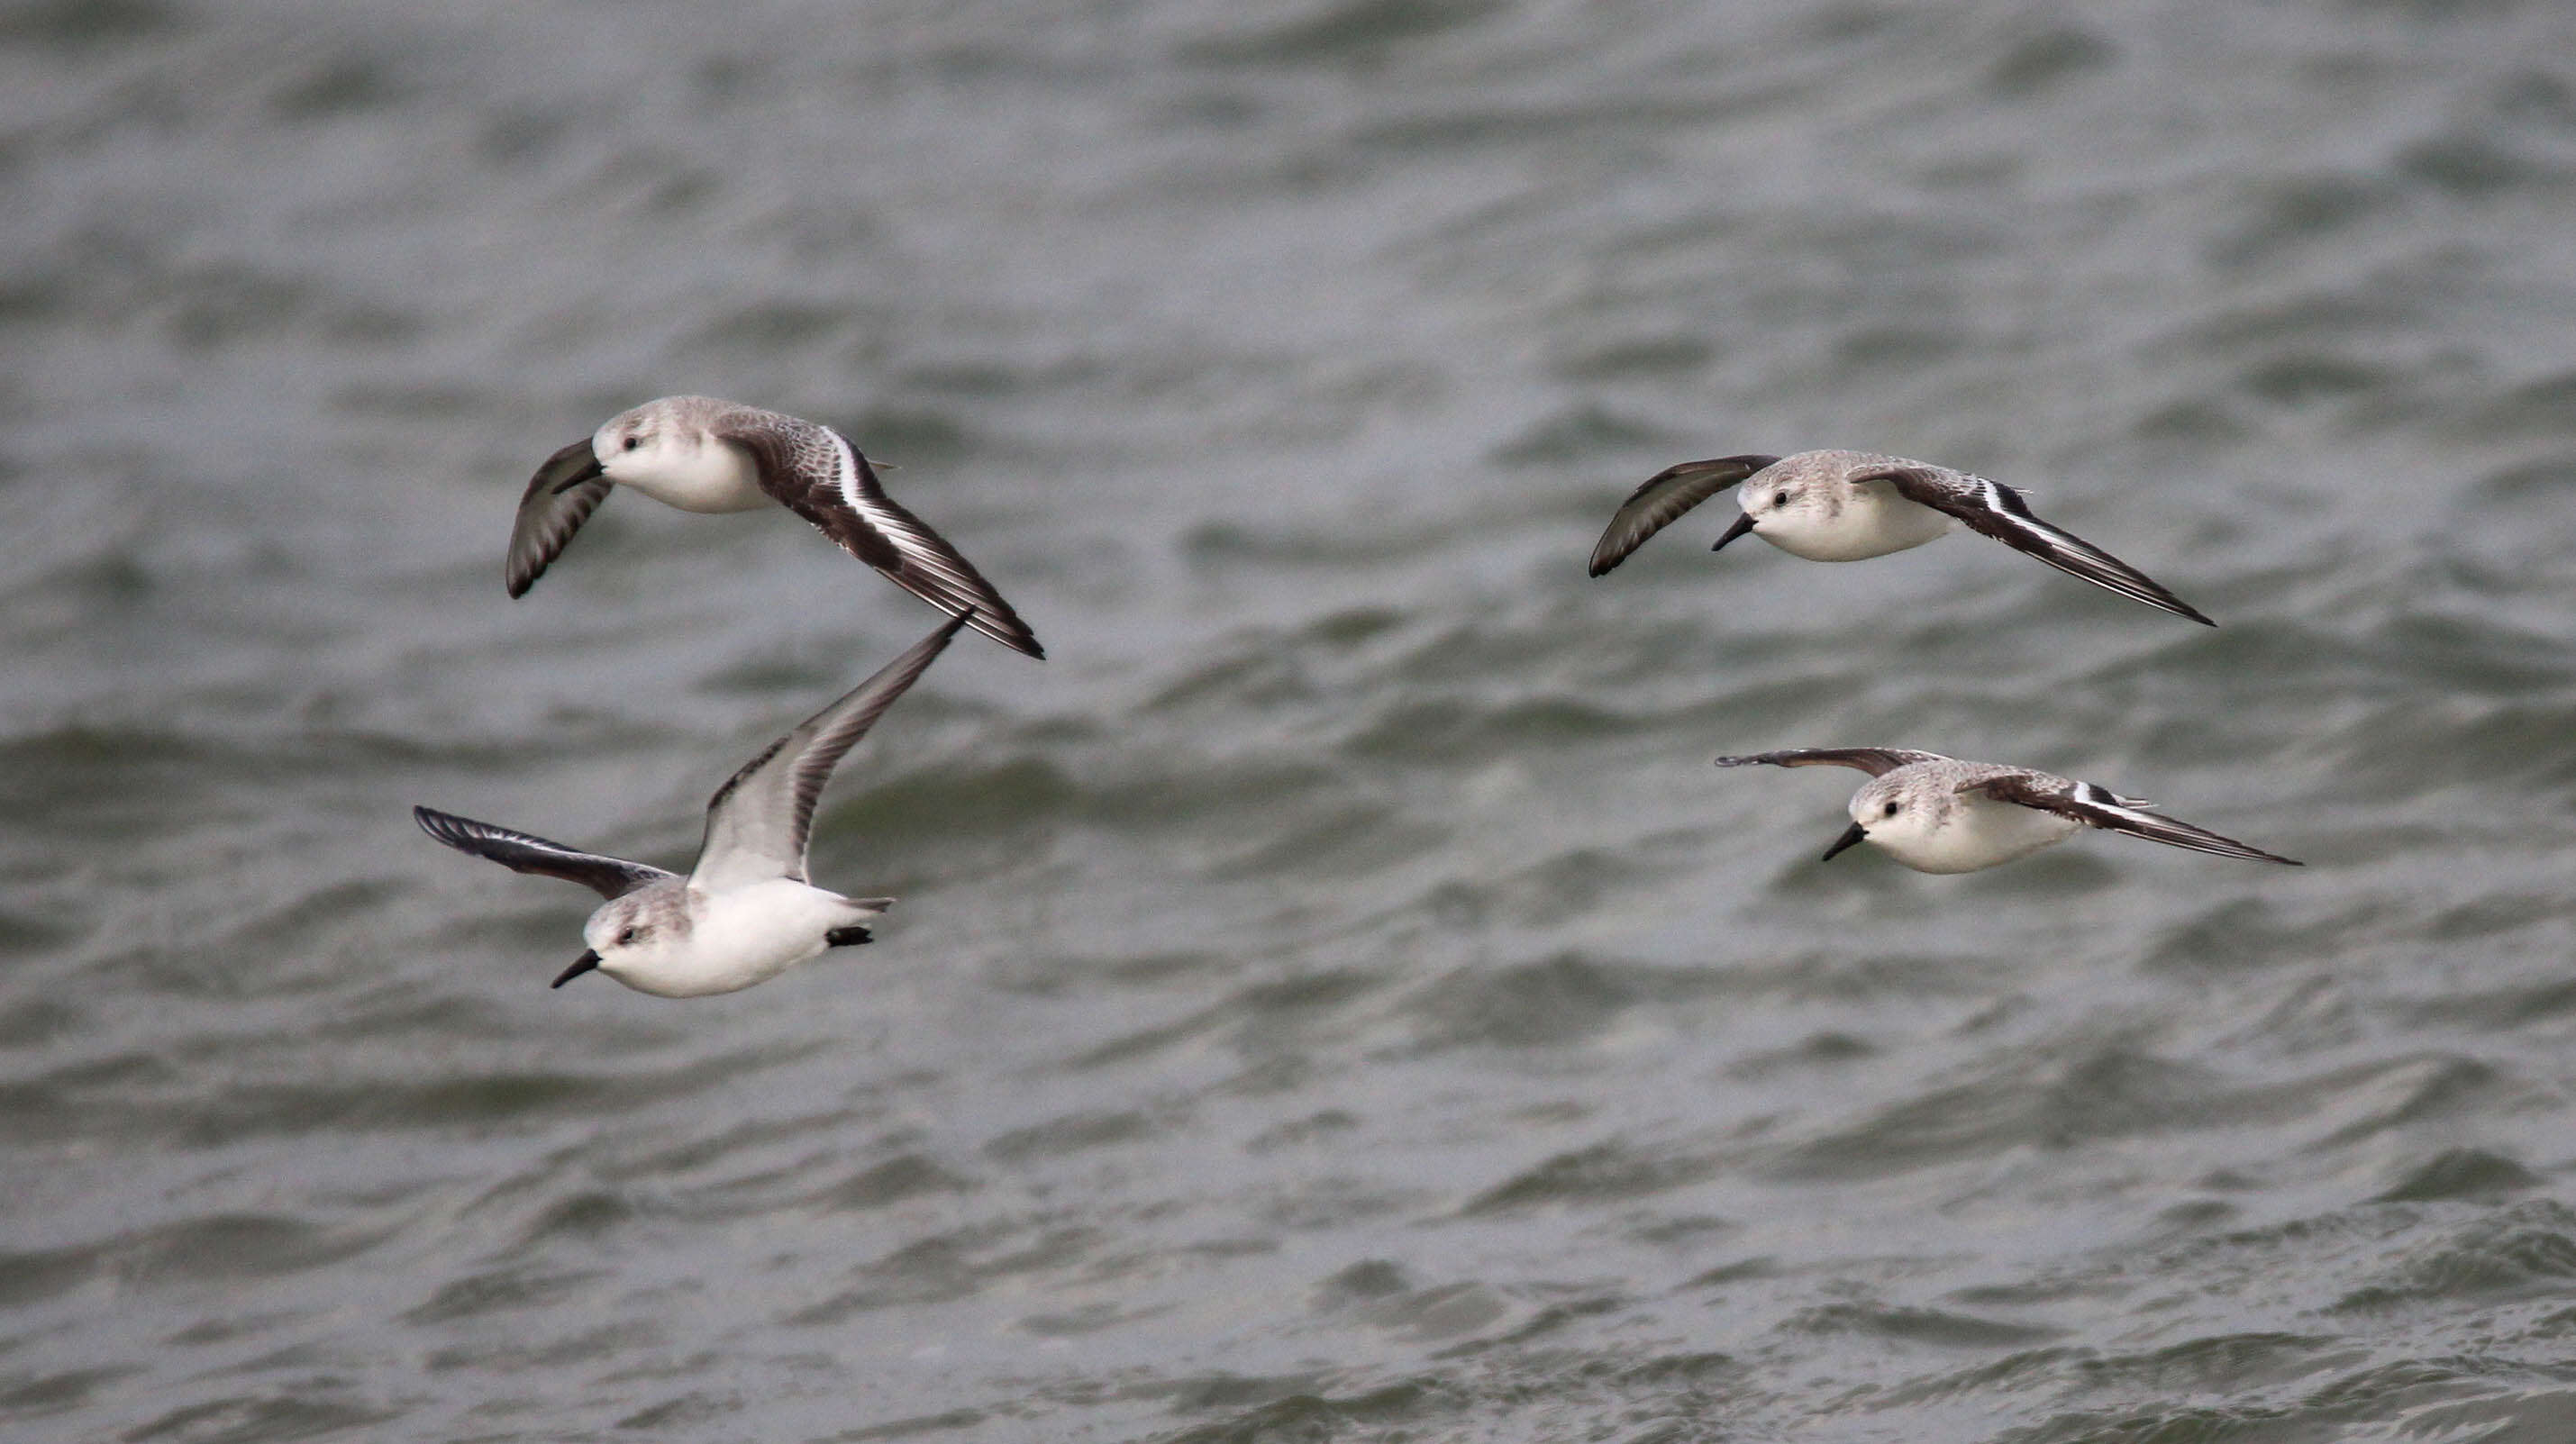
(916, 544)
(854, 495)
(850, 496)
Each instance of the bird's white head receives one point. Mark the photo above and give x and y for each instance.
(634, 935)
(670, 451)
(1902, 814)
(635, 444)
(1789, 504)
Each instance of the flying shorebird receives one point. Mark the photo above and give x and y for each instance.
(1939, 814)
(704, 455)
(1842, 506)
(745, 914)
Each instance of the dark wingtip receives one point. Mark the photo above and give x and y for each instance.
(2181, 608)
(1013, 633)
(847, 937)
(1005, 628)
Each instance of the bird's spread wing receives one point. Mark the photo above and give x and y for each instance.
(2001, 512)
(1876, 761)
(815, 472)
(2098, 806)
(520, 852)
(1662, 500)
(758, 822)
(559, 498)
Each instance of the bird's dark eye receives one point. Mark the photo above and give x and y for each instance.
(633, 442)
(626, 938)
(1779, 499)
(1890, 810)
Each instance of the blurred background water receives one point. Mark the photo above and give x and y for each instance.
(1334, 997)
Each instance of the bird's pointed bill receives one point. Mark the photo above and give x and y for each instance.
(1852, 837)
(1743, 524)
(583, 964)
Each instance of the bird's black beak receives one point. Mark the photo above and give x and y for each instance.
(1743, 524)
(1849, 838)
(589, 960)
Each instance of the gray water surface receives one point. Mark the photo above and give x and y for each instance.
(1334, 997)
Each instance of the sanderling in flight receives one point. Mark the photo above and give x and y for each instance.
(1939, 814)
(746, 913)
(1842, 506)
(701, 454)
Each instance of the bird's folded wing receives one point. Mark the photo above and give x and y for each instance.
(521, 852)
(2098, 806)
(2000, 512)
(1663, 498)
(759, 821)
(1876, 761)
(559, 498)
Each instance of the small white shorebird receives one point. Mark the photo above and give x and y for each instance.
(746, 913)
(1939, 814)
(1842, 506)
(704, 455)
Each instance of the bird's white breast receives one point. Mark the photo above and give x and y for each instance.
(739, 937)
(692, 471)
(1871, 521)
(1977, 833)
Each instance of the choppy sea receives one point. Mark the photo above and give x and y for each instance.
(1334, 997)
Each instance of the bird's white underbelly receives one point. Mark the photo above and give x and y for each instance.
(713, 477)
(1980, 834)
(743, 936)
(1874, 520)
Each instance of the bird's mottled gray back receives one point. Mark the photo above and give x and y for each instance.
(791, 443)
(1824, 478)
(1931, 788)
(668, 413)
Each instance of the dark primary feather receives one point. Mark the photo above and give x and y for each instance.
(1663, 498)
(1876, 761)
(760, 820)
(799, 465)
(1998, 511)
(610, 877)
(2098, 806)
(559, 498)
